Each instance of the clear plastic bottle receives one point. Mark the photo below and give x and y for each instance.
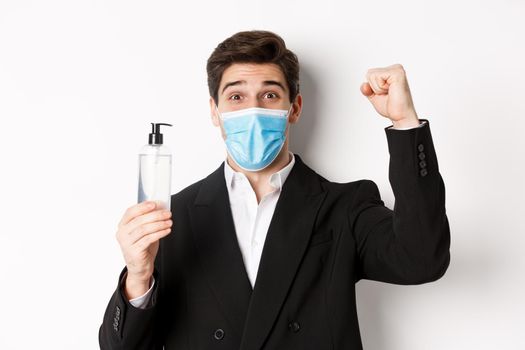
(155, 170)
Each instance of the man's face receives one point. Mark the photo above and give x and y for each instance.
(245, 85)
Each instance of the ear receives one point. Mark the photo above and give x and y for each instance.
(213, 113)
(295, 114)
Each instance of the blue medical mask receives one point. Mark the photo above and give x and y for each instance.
(254, 136)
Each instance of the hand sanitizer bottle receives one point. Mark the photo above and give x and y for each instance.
(155, 170)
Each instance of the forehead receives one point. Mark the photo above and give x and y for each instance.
(252, 73)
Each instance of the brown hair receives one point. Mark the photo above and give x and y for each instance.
(255, 46)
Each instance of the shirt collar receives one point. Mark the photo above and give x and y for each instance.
(277, 179)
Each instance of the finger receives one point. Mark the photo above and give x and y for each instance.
(375, 87)
(147, 240)
(148, 229)
(156, 215)
(381, 79)
(380, 87)
(125, 232)
(373, 84)
(136, 210)
(366, 89)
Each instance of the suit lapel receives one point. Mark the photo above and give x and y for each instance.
(218, 249)
(286, 242)
(253, 313)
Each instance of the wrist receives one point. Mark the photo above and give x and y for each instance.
(406, 123)
(134, 288)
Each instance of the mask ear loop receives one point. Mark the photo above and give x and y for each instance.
(288, 114)
(289, 111)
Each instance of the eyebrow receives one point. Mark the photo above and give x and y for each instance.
(265, 83)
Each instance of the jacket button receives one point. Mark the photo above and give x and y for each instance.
(422, 164)
(420, 147)
(218, 334)
(421, 155)
(294, 326)
(423, 172)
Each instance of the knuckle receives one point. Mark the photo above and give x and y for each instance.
(125, 218)
(128, 210)
(138, 220)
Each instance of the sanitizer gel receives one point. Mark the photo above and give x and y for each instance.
(155, 170)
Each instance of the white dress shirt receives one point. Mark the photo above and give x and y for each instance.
(251, 219)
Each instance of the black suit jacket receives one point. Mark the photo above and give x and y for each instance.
(323, 238)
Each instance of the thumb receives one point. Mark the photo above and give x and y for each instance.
(366, 90)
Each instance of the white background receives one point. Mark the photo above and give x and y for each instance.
(80, 81)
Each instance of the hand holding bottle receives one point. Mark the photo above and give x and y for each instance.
(139, 232)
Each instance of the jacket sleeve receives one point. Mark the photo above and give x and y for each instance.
(127, 327)
(410, 244)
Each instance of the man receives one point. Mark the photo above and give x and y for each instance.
(264, 253)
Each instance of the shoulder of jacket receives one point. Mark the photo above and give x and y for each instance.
(188, 193)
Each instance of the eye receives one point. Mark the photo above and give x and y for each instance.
(235, 97)
(271, 95)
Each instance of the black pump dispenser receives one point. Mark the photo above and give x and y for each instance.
(155, 137)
